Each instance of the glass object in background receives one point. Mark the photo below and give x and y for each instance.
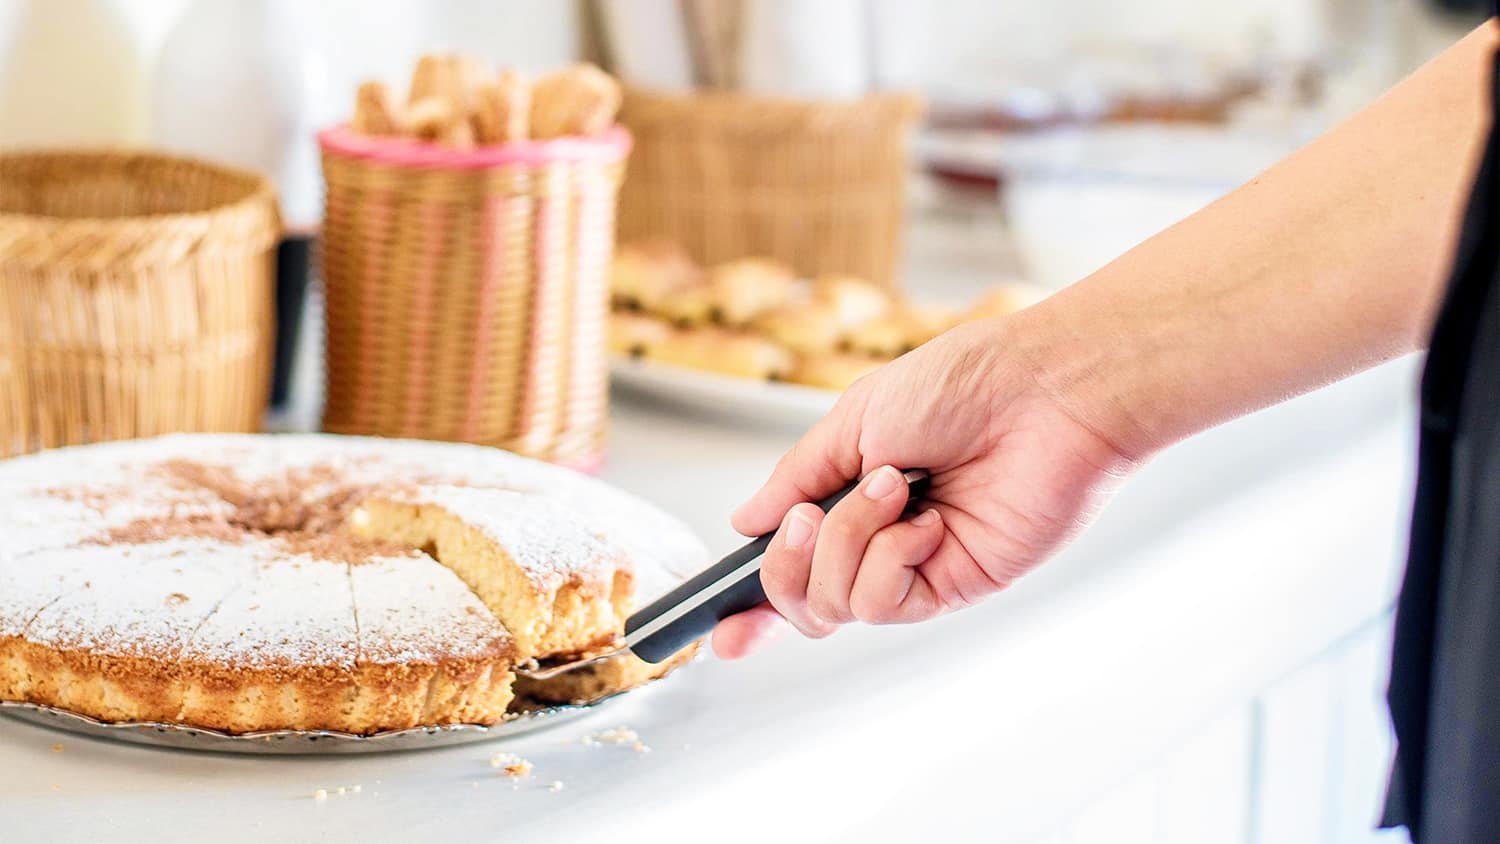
(813, 50)
(239, 81)
(1076, 198)
(71, 76)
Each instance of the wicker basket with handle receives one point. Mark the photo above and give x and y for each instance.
(467, 290)
(135, 297)
(819, 185)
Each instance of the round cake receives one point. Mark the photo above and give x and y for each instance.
(245, 583)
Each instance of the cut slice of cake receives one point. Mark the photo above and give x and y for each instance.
(552, 581)
(429, 651)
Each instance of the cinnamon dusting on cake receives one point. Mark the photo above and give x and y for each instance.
(96, 498)
(307, 509)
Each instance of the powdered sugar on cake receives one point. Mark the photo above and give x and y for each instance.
(409, 611)
(547, 540)
(292, 612)
(140, 600)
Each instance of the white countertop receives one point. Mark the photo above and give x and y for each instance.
(1229, 560)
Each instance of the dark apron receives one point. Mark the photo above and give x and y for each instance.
(1445, 664)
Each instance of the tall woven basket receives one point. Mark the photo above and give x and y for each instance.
(135, 297)
(467, 290)
(819, 185)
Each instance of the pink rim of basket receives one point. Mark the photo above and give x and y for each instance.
(611, 146)
(589, 464)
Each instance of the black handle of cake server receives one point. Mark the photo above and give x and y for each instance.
(730, 586)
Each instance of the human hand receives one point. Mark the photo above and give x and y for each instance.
(1014, 477)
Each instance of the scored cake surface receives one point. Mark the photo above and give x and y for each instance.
(254, 582)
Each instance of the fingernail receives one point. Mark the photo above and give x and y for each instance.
(927, 517)
(798, 530)
(881, 482)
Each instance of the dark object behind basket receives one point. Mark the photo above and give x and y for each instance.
(293, 271)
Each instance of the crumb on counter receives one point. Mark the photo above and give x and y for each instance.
(57, 748)
(613, 735)
(321, 795)
(555, 785)
(511, 765)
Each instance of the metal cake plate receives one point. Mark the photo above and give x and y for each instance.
(304, 742)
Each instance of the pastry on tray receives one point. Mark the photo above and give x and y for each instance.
(833, 370)
(853, 301)
(724, 351)
(690, 306)
(744, 289)
(804, 329)
(636, 334)
(1004, 300)
(245, 583)
(752, 318)
(900, 329)
(647, 273)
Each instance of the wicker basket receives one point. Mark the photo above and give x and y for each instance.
(467, 291)
(135, 297)
(819, 185)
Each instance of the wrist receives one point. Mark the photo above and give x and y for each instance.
(1089, 371)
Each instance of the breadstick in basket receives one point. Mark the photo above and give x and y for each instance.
(375, 110)
(502, 113)
(582, 100)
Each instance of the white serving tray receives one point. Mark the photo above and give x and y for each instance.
(767, 402)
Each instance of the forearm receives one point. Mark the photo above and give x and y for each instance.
(1328, 263)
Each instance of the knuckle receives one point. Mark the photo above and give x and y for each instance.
(778, 576)
(844, 529)
(871, 610)
(829, 608)
(818, 632)
(884, 545)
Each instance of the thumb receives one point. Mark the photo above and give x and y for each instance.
(822, 462)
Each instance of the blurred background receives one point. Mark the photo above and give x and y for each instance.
(944, 152)
(1089, 120)
(1075, 104)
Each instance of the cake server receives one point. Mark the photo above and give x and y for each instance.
(689, 612)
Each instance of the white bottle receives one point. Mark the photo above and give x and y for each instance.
(239, 82)
(71, 74)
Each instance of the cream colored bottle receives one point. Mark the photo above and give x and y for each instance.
(71, 74)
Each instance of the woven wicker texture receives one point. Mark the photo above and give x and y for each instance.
(820, 186)
(470, 303)
(135, 297)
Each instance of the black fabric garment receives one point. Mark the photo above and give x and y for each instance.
(1445, 666)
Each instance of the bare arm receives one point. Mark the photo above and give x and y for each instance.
(1326, 264)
